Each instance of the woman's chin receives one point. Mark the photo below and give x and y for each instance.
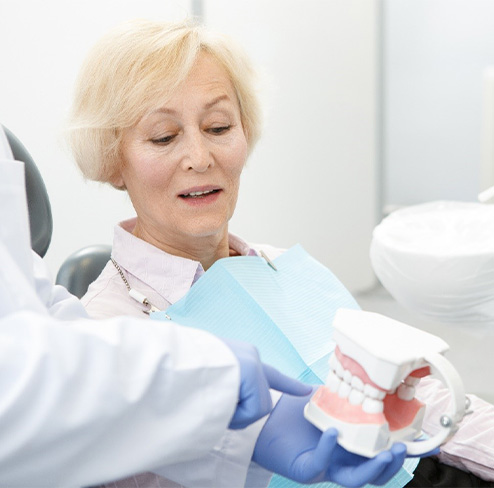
(205, 229)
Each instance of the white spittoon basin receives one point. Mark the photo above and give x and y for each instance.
(437, 259)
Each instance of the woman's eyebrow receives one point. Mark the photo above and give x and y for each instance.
(207, 106)
(162, 110)
(216, 100)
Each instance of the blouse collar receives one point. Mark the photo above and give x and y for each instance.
(171, 276)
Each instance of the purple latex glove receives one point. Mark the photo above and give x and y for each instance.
(256, 379)
(291, 446)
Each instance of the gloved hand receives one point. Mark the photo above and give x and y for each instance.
(254, 399)
(291, 446)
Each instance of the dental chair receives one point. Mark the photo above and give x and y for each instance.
(81, 267)
(40, 217)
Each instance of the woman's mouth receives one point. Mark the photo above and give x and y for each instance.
(200, 197)
(199, 194)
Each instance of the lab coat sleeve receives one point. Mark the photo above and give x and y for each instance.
(80, 405)
(228, 465)
(471, 449)
(59, 302)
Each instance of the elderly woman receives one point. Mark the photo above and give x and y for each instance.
(171, 120)
(168, 112)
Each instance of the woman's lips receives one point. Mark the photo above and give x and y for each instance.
(200, 196)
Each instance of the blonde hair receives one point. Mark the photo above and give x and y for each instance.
(131, 67)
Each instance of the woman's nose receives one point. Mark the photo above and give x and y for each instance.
(197, 155)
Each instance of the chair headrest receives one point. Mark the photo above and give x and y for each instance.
(40, 217)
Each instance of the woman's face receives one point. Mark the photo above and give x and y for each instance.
(182, 161)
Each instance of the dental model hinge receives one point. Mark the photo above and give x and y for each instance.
(446, 421)
(468, 404)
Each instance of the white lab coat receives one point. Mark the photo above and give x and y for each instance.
(82, 403)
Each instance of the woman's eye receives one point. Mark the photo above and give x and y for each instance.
(163, 140)
(219, 130)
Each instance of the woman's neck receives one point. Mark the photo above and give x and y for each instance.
(205, 249)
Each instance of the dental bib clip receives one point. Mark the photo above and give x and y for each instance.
(369, 396)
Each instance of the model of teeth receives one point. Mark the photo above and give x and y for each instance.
(369, 395)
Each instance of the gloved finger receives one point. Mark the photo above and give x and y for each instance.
(399, 452)
(248, 411)
(279, 381)
(321, 456)
(311, 464)
(363, 473)
(254, 397)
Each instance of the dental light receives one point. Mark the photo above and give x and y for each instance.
(369, 393)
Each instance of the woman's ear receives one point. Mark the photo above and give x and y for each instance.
(116, 180)
(119, 186)
(117, 164)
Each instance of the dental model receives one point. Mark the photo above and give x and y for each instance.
(369, 396)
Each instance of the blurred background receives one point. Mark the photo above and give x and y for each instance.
(370, 105)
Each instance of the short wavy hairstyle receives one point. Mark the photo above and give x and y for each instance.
(133, 66)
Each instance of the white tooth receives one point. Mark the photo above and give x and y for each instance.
(344, 390)
(356, 397)
(347, 377)
(333, 382)
(406, 392)
(328, 378)
(374, 393)
(370, 405)
(339, 369)
(357, 383)
(412, 381)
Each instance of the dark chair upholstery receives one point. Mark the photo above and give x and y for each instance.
(40, 217)
(81, 268)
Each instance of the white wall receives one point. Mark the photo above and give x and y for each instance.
(312, 178)
(436, 52)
